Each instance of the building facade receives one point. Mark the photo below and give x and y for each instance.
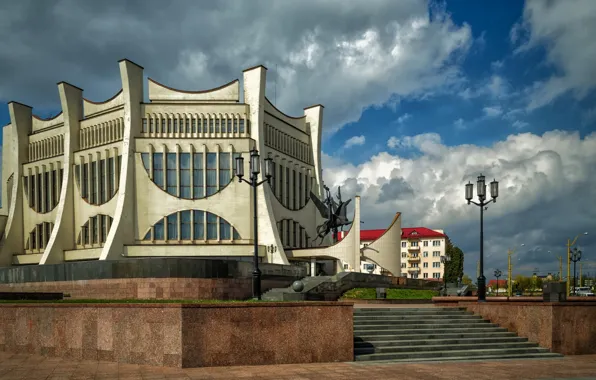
(421, 251)
(129, 178)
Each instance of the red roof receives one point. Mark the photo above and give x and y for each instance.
(502, 283)
(406, 233)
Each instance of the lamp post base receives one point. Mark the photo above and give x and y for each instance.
(481, 289)
(256, 284)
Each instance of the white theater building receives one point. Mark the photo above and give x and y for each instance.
(128, 178)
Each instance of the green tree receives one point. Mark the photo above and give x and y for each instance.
(522, 283)
(466, 280)
(455, 268)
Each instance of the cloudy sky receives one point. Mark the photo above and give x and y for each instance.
(419, 97)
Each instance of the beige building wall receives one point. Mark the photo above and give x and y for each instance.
(129, 178)
(421, 257)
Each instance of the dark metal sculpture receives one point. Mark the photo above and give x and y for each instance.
(334, 213)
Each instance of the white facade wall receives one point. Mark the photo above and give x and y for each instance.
(113, 177)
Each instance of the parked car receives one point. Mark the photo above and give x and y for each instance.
(584, 291)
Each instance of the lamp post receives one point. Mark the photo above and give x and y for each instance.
(444, 260)
(481, 192)
(569, 245)
(576, 255)
(255, 169)
(498, 274)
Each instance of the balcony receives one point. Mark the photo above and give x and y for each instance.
(413, 269)
(414, 248)
(414, 258)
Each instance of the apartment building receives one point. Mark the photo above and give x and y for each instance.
(421, 251)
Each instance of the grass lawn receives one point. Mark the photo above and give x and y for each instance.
(395, 294)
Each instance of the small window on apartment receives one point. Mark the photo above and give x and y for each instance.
(425, 243)
(404, 244)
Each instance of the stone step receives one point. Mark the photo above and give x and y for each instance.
(463, 358)
(373, 338)
(409, 313)
(360, 350)
(399, 318)
(418, 332)
(358, 343)
(407, 309)
(432, 327)
(445, 354)
(418, 322)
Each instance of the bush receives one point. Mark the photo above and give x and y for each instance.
(394, 294)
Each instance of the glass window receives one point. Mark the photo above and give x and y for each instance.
(169, 125)
(147, 235)
(151, 125)
(235, 125)
(217, 125)
(144, 125)
(85, 232)
(211, 226)
(229, 125)
(102, 178)
(145, 159)
(172, 187)
(273, 179)
(163, 125)
(175, 125)
(210, 125)
(287, 187)
(111, 189)
(55, 195)
(198, 225)
(281, 184)
(197, 176)
(300, 204)
(295, 198)
(158, 169)
(306, 189)
(236, 234)
(173, 226)
(204, 122)
(185, 225)
(224, 230)
(84, 193)
(187, 123)
(46, 178)
(185, 175)
(102, 228)
(225, 172)
(194, 125)
(93, 183)
(94, 225)
(211, 173)
(241, 125)
(158, 231)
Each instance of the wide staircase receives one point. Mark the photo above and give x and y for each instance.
(435, 334)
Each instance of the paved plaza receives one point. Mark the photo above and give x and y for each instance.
(30, 367)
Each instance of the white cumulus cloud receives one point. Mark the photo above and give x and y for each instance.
(354, 141)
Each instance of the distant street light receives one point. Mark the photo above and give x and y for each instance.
(576, 255)
(569, 245)
(444, 260)
(498, 274)
(481, 192)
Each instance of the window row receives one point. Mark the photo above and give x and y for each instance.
(95, 231)
(435, 275)
(190, 175)
(39, 237)
(98, 180)
(291, 187)
(436, 243)
(286, 144)
(175, 124)
(43, 189)
(424, 254)
(102, 133)
(191, 225)
(293, 235)
(50, 147)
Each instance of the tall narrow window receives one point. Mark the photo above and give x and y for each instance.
(175, 125)
(235, 125)
(172, 187)
(287, 187)
(273, 177)
(84, 186)
(158, 169)
(217, 125)
(32, 183)
(173, 226)
(144, 126)
(169, 125)
(281, 184)
(110, 178)
(93, 189)
(288, 242)
(163, 125)
(185, 225)
(151, 125)
(85, 233)
(185, 175)
(229, 125)
(198, 225)
(197, 176)
(236, 234)
(187, 123)
(158, 231)
(95, 225)
(145, 159)
(46, 179)
(224, 230)
(194, 125)
(225, 172)
(300, 204)
(39, 198)
(294, 230)
(295, 198)
(102, 228)
(211, 173)
(210, 125)
(241, 125)
(306, 188)
(102, 178)
(211, 226)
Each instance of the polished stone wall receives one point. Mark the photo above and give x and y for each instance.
(182, 335)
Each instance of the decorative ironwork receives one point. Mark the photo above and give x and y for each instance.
(335, 214)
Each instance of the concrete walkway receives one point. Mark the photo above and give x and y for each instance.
(31, 367)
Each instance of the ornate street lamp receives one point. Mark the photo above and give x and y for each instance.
(444, 261)
(481, 192)
(576, 255)
(255, 169)
(497, 275)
